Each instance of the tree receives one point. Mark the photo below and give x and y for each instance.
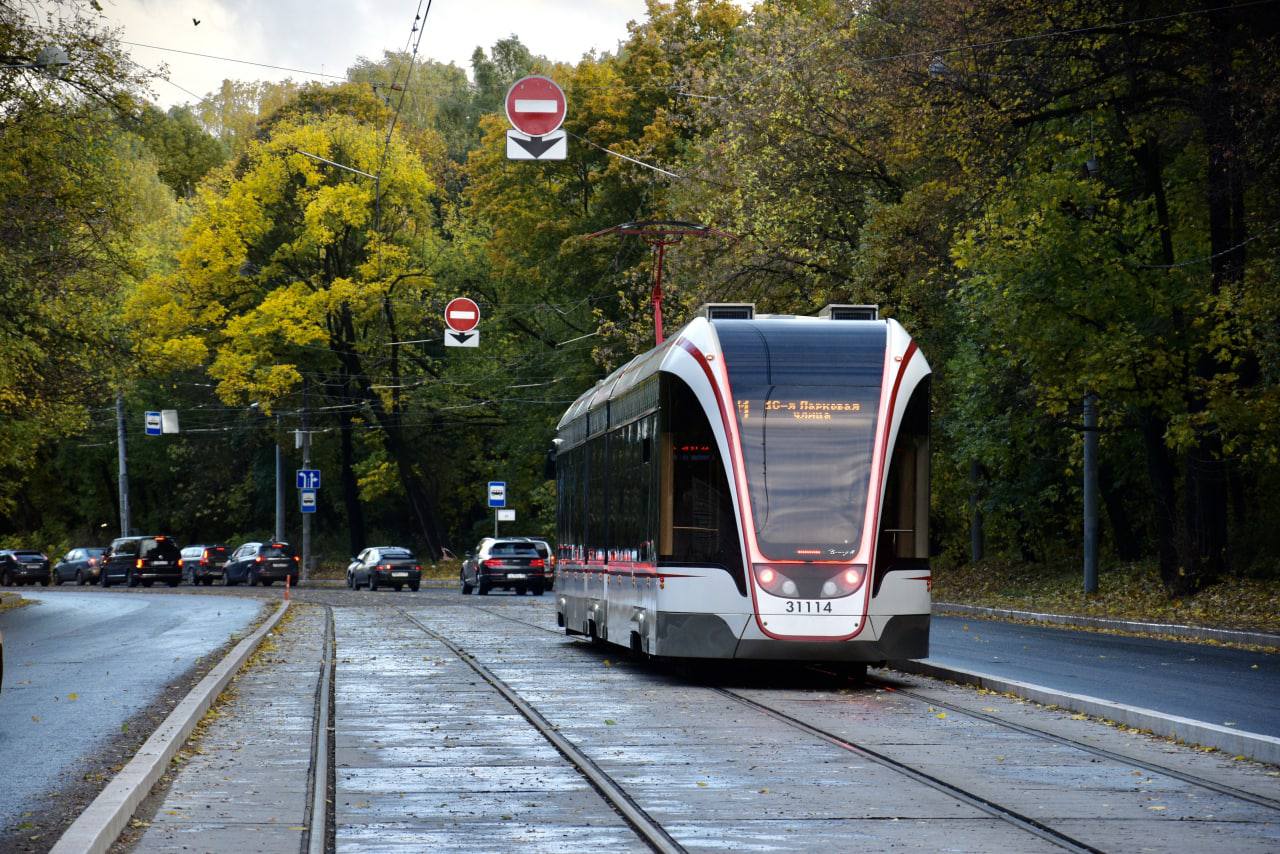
(295, 272)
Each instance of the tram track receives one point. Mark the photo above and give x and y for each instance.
(321, 780)
(648, 828)
(1192, 779)
(1013, 817)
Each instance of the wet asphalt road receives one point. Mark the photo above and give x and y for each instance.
(115, 652)
(1217, 685)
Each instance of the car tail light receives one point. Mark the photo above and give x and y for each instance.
(138, 564)
(259, 559)
(493, 562)
(180, 562)
(384, 566)
(418, 567)
(537, 563)
(93, 561)
(204, 555)
(296, 559)
(204, 562)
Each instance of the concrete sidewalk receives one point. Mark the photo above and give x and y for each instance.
(244, 784)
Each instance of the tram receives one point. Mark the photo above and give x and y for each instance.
(756, 487)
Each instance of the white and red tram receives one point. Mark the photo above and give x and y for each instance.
(752, 488)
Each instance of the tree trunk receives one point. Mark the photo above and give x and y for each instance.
(1128, 542)
(350, 488)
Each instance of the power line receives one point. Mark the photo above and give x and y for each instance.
(233, 59)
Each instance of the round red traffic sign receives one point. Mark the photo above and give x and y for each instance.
(535, 105)
(461, 314)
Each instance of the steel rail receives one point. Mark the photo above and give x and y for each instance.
(1018, 820)
(319, 782)
(1220, 788)
(645, 825)
(1153, 767)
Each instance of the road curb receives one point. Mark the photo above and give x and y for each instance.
(1267, 639)
(1263, 748)
(101, 823)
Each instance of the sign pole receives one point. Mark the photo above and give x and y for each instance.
(306, 464)
(495, 523)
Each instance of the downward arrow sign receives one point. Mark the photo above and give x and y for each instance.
(535, 145)
(462, 337)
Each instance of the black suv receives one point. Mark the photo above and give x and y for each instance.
(513, 564)
(142, 560)
(262, 563)
(23, 566)
(203, 564)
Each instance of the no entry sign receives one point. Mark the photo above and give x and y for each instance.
(535, 105)
(461, 314)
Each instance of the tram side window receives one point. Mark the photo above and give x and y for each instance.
(698, 525)
(904, 515)
(597, 498)
(570, 470)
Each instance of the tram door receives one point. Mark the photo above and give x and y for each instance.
(904, 515)
(697, 526)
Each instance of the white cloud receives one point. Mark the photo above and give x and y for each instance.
(329, 35)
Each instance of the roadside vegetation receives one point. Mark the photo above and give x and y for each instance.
(1129, 591)
(1056, 200)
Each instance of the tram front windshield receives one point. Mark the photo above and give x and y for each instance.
(806, 396)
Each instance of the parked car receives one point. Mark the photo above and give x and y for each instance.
(262, 563)
(204, 564)
(23, 566)
(544, 549)
(81, 565)
(384, 566)
(141, 560)
(507, 563)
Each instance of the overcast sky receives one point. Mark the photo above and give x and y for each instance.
(329, 35)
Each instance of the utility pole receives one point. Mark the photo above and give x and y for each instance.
(125, 522)
(1090, 493)
(279, 485)
(306, 464)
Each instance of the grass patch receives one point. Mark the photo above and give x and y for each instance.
(9, 601)
(1126, 592)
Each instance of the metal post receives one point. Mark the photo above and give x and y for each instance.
(1090, 493)
(125, 521)
(279, 485)
(657, 293)
(306, 464)
(495, 523)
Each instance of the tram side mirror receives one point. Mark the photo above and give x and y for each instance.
(549, 466)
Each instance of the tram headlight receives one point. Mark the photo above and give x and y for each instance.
(774, 581)
(810, 581)
(848, 580)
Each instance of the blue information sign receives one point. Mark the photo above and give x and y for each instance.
(308, 478)
(497, 493)
(307, 500)
(153, 424)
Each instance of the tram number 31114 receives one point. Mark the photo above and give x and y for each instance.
(804, 606)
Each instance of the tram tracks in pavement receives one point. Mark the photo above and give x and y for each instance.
(1011, 816)
(322, 780)
(1155, 768)
(648, 828)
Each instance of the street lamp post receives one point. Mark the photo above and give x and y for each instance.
(51, 59)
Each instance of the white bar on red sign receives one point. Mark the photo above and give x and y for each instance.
(531, 105)
(463, 315)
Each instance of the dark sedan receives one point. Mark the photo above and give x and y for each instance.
(204, 564)
(511, 564)
(384, 566)
(262, 563)
(23, 566)
(81, 565)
